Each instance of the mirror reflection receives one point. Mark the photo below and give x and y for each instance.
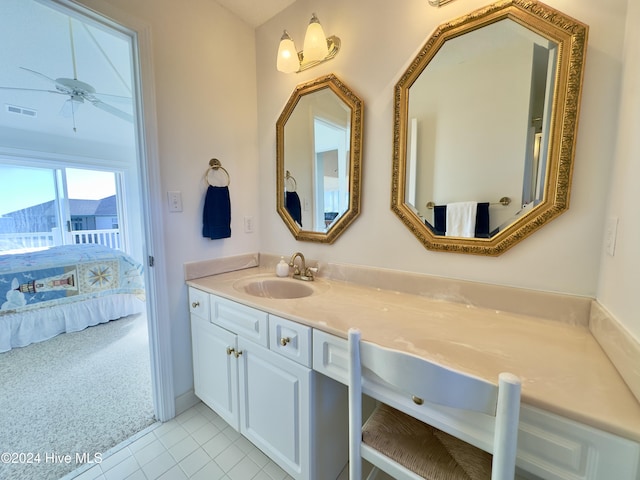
(478, 120)
(485, 123)
(318, 136)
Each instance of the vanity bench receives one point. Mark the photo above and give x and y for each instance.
(276, 370)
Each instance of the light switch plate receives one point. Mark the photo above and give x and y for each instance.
(248, 224)
(175, 201)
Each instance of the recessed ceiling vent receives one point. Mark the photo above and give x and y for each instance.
(27, 112)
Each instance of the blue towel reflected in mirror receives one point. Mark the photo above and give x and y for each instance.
(292, 204)
(482, 220)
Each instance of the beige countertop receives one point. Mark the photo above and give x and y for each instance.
(563, 368)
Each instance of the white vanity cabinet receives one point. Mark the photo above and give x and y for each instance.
(254, 370)
(214, 369)
(550, 447)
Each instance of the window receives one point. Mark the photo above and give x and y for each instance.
(44, 206)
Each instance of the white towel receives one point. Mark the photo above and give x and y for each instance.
(461, 219)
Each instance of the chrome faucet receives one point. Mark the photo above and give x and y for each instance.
(301, 272)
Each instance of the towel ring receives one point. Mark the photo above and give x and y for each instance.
(292, 180)
(215, 165)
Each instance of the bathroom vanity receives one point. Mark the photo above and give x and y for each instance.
(276, 368)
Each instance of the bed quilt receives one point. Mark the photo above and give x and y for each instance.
(66, 274)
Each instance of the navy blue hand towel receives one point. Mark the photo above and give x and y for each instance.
(292, 204)
(216, 216)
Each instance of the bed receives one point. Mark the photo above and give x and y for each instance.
(65, 289)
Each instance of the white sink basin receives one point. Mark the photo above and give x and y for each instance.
(271, 287)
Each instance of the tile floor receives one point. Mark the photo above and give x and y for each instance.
(196, 445)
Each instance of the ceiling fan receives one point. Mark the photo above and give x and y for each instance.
(79, 91)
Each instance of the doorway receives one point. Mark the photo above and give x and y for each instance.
(58, 113)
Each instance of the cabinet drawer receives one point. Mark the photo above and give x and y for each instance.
(331, 356)
(553, 447)
(290, 339)
(245, 321)
(199, 303)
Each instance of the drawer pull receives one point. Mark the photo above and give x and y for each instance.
(230, 350)
(417, 400)
(284, 341)
(195, 304)
(238, 353)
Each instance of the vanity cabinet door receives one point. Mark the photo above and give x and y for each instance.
(215, 368)
(275, 407)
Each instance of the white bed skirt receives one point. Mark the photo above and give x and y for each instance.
(22, 329)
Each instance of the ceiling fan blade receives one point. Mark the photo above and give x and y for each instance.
(112, 110)
(32, 90)
(42, 75)
(113, 98)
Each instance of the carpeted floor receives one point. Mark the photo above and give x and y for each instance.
(78, 394)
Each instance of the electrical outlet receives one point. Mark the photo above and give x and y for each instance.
(175, 201)
(248, 224)
(610, 235)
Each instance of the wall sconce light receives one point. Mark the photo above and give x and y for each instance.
(317, 49)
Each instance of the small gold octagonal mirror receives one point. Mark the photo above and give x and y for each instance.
(485, 123)
(319, 154)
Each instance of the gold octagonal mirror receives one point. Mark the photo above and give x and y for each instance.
(319, 154)
(485, 122)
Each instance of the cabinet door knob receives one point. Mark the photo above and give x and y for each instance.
(284, 341)
(238, 353)
(230, 350)
(195, 304)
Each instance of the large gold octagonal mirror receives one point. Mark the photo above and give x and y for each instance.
(485, 123)
(319, 153)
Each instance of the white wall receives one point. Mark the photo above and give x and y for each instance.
(205, 82)
(379, 39)
(205, 79)
(620, 275)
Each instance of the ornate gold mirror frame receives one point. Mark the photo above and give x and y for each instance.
(569, 37)
(301, 171)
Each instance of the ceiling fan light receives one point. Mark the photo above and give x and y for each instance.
(315, 42)
(287, 55)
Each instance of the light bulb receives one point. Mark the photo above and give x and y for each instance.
(288, 61)
(315, 42)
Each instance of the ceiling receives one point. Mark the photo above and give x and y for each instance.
(255, 12)
(39, 37)
(40, 40)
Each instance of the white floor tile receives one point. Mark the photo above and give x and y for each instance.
(183, 448)
(197, 445)
(112, 460)
(211, 471)
(159, 466)
(194, 462)
(122, 469)
(174, 473)
(229, 458)
(205, 433)
(173, 436)
(244, 469)
(149, 452)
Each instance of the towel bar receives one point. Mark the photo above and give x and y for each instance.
(504, 201)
